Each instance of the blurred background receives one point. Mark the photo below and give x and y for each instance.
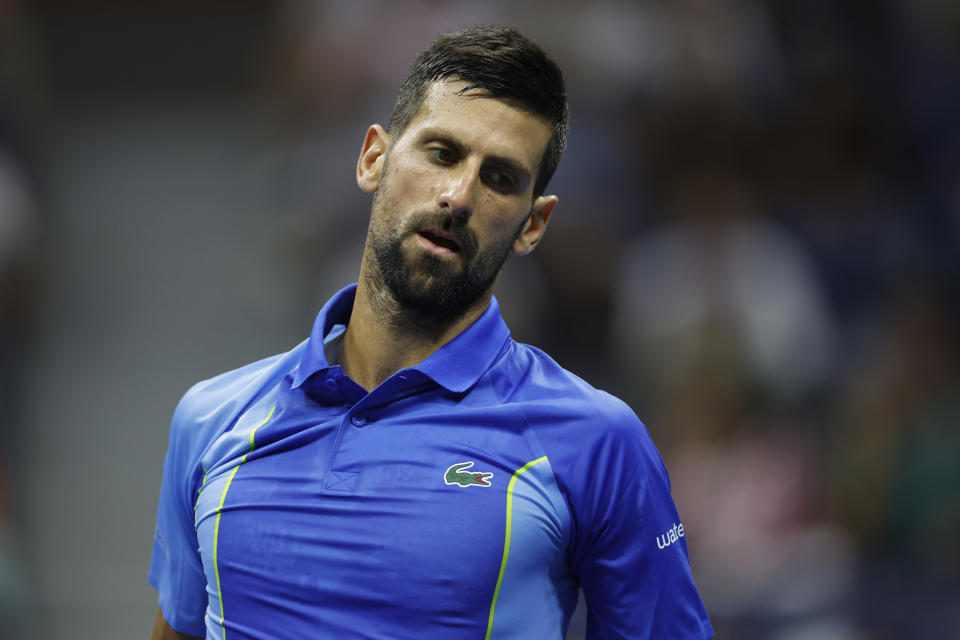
(756, 246)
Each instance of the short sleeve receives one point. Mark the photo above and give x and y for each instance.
(176, 570)
(634, 567)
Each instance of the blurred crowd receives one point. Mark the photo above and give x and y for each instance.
(757, 246)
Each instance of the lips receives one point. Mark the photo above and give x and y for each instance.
(439, 241)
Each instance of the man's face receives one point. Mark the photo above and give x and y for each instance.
(454, 196)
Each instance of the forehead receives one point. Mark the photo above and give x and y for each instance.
(483, 123)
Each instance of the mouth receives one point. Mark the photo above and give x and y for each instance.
(439, 242)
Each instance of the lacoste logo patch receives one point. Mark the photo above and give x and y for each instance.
(457, 474)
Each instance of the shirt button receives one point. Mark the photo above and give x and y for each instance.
(331, 384)
(358, 421)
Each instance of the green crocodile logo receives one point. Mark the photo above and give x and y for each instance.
(456, 474)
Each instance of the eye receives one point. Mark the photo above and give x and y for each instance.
(442, 154)
(500, 180)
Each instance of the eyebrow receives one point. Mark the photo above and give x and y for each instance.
(432, 133)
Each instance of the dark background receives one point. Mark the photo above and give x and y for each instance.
(756, 246)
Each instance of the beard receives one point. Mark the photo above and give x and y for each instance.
(429, 288)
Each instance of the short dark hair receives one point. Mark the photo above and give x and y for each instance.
(506, 64)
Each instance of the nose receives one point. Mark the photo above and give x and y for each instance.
(457, 192)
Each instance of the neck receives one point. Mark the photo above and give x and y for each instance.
(384, 337)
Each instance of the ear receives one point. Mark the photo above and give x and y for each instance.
(535, 225)
(372, 156)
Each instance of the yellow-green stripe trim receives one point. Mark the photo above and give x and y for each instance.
(216, 526)
(506, 540)
(196, 501)
(216, 538)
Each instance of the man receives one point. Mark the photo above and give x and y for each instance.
(410, 471)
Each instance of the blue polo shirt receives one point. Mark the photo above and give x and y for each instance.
(469, 496)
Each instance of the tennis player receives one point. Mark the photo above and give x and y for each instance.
(409, 470)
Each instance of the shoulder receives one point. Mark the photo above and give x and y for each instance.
(574, 420)
(600, 453)
(210, 407)
(528, 376)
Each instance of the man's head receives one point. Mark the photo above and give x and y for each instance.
(456, 179)
(504, 63)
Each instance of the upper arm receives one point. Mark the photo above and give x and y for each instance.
(176, 569)
(630, 550)
(636, 575)
(163, 631)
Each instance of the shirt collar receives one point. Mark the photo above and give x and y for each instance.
(335, 311)
(456, 365)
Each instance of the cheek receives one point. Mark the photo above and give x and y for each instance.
(504, 230)
(399, 195)
(427, 184)
(411, 180)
